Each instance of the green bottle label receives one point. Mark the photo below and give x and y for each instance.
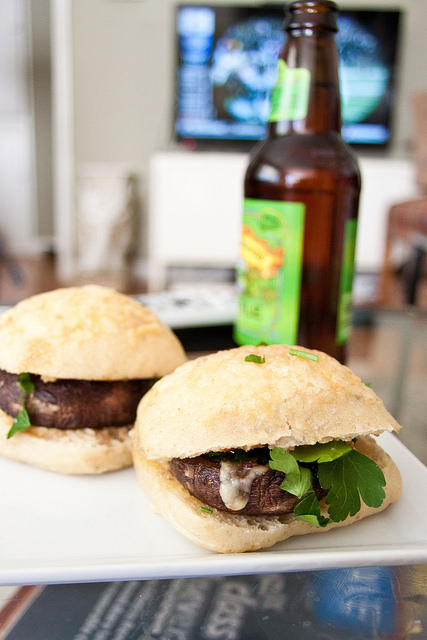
(269, 272)
(346, 283)
(289, 97)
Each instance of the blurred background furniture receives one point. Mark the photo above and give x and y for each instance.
(406, 230)
(405, 246)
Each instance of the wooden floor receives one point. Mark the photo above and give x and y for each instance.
(25, 277)
(28, 276)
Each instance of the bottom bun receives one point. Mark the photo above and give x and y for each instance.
(227, 533)
(68, 451)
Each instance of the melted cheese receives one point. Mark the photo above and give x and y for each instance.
(235, 485)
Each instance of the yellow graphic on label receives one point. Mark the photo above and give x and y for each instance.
(257, 254)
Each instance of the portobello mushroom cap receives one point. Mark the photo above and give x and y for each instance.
(263, 495)
(74, 404)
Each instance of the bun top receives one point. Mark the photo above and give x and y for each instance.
(221, 401)
(86, 333)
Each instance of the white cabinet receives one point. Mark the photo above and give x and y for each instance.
(194, 211)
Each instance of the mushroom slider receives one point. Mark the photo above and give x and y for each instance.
(74, 363)
(247, 447)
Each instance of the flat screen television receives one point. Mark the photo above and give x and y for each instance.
(226, 59)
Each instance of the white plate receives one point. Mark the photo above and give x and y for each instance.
(56, 528)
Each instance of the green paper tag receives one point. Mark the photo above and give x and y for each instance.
(289, 97)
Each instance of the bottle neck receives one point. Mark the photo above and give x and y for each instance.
(310, 57)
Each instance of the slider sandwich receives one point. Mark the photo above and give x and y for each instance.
(243, 448)
(74, 363)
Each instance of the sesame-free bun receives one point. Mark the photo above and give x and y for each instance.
(224, 532)
(67, 451)
(92, 334)
(220, 402)
(86, 333)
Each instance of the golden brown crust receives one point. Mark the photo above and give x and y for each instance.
(68, 451)
(226, 533)
(89, 333)
(220, 401)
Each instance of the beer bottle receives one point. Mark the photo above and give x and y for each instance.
(301, 198)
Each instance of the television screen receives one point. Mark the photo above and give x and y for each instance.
(226, 57)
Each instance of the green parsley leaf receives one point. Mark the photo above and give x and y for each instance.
(215, 455)
(253, 357)
(22, 420)
(324, 452)
(308, 510)
(24, 381)
(304, 354)
(349, 478)
(297, 479)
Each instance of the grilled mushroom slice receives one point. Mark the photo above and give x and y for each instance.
(247, 487)
(74, 404)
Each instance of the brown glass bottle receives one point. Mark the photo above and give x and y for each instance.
(296, 268)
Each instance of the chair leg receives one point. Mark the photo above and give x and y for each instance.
(386, 275)
(413, 276)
